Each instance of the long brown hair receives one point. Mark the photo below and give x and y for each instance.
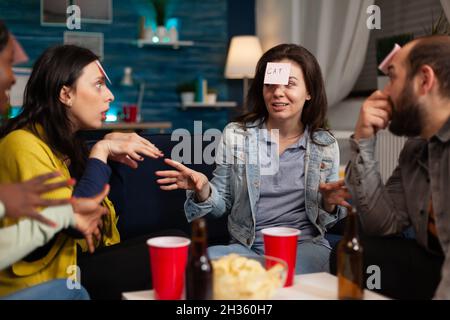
(57, 67)
(314, 110)
(4, 35)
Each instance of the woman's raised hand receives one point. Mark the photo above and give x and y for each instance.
(21, 200)
(184, 178)
(335, 193)
(127, 148)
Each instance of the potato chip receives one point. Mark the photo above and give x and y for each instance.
(239, 277)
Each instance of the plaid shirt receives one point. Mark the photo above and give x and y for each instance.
(422, 174)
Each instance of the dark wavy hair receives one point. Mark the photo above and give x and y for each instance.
(314, 110)
(4, 35)
(57, 67)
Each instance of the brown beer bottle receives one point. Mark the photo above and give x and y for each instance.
(350, 261)
(199, 272)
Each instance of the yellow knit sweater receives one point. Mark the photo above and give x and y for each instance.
(23, 156)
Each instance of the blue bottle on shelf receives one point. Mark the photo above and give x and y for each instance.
(201, 89)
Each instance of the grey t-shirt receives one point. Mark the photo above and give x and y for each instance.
(282, 195)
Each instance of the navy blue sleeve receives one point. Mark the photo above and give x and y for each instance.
(96, 175)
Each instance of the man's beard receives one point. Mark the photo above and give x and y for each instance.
(407, 119)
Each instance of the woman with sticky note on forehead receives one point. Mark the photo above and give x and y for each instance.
(270, 163)
(66, 93)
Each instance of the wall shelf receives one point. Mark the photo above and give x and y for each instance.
(175, 45)
(127, 126)
(217, 105)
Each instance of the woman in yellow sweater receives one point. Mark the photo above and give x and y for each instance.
(66, 93)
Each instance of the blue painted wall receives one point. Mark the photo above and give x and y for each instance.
(207, 23)
(241, 18)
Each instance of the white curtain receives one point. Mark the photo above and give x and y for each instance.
(334, 31)
(446, 6)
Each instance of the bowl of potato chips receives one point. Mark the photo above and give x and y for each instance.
(241, 277)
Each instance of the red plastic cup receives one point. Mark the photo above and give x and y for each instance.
(168, 259)
(281, 242)
(130, 113)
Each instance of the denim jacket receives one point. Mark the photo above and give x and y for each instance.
(235, 185)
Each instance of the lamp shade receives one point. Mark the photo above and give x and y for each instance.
(127, 79)
(243, 55)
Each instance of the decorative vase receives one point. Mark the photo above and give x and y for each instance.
(148, 33)
(211, 98)
(161, 33)
(142, 28)
(187, 97)
(173, 34)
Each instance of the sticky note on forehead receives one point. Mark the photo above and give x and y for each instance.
(386, 62)
(103, 71)
(277, 73)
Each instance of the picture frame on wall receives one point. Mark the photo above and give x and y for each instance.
(54, 12)
(98, 11)
(90, 40)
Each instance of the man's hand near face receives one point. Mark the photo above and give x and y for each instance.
(374, 115)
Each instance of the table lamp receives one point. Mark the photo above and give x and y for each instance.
(243, 55)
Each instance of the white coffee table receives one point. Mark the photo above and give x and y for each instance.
(314, 286)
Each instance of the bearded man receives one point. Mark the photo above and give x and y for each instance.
(416, 104)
